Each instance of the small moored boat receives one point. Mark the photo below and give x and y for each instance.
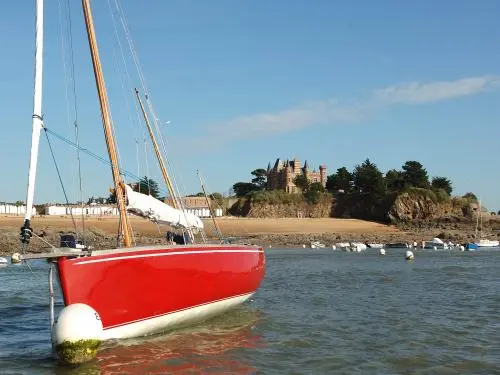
(317, 245)
(435, 244)
(487, 243)
(397, 245)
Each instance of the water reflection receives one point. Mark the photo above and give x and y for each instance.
(210, 347)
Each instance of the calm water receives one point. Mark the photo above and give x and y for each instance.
(317, 312)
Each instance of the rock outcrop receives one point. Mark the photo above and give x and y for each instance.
(411, 206)
(296, 207)
(407, 207)
(423, 206)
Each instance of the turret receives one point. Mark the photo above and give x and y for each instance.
(296, 166)
(277, 165)
(305, 168)
(322, 176)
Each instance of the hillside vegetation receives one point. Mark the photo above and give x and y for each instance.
(365, 193)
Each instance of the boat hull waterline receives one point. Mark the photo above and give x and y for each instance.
(144, 290)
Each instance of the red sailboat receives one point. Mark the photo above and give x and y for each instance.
(132, 290)
(138, 291)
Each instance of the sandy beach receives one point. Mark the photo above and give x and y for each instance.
(230, 226)
(284, 232)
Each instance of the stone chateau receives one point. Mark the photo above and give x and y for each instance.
(282, 175)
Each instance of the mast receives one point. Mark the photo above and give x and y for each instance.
(37, 122)
(164, 172)
(477, 220)
(106, 122)
(216, 225)
(480, 220)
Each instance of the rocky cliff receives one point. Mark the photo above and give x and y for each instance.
(293, 206)
(412, 206)
(423, 205)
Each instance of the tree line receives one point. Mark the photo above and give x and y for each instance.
(365, 178)
(368, 179)
(365, 191)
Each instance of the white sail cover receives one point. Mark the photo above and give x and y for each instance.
(159, 212)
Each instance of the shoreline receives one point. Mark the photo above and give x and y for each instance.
(101, 232)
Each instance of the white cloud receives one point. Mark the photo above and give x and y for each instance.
(416, 92)
(331, 112)
(291, 119)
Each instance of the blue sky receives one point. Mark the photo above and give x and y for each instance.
(243, 83)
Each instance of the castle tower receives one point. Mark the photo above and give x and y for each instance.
(282, 174)
(322, 177)
(296, 166)
(287, 177)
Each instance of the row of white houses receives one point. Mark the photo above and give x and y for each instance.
(92, 210)
(204, 212)
(112, 211)
(79, 210)
(12, 209)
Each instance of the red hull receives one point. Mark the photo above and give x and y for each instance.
(134, 285)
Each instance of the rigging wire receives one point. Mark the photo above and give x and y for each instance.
(103, 160)
(138, 168)
(75, 107)
(147, 167)
(135, 123)
(72, 82)
(135, 58)
(62, 185)
(149, 103)
(123, 21)
(127, 74)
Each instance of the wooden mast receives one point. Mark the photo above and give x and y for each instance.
(164, 172)
(106, 122)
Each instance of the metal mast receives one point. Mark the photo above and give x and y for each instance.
(37, 122)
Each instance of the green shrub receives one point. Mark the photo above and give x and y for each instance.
(275, 197)
(414, 191)
(441, 195)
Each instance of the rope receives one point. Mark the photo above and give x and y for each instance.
(41, 239)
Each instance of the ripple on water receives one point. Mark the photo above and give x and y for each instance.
(316, 313)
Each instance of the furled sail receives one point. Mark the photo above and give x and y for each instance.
(159, 212)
